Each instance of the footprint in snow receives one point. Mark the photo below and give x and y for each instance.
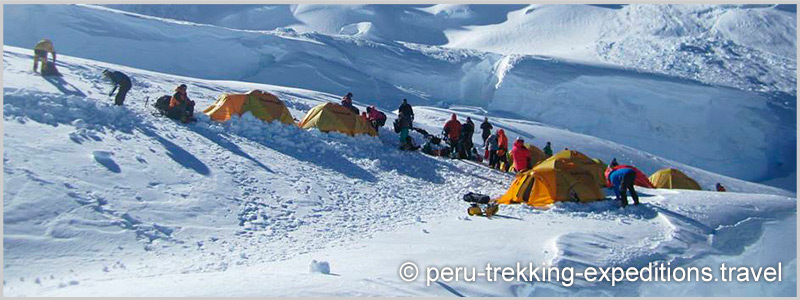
(104, 159)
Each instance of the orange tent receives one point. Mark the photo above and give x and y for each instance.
(261, 104)
(567, 176)
(334, 117)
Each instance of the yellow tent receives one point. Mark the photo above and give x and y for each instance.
(262, 105)
(334, 117)
(673, 179)
(597, 168)
(566, 176)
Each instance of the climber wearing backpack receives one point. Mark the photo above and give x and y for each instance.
(502, 149)
(375, 117)
(405, 110)
(40, 52)
(491, 146)
(180, 107)
(121, 81)
(465, 140)
(622, 181)
(486, 127)
(520, 155)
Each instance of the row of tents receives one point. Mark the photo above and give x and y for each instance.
(572, 176)
(566, 176)
(326, 117)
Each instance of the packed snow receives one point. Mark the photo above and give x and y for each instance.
(101, 200)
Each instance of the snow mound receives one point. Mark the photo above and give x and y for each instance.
(321, 267)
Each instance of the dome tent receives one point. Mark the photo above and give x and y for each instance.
(670, 178)
(262, 105)
(333, 117)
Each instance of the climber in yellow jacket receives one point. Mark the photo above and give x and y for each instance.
(40, 52)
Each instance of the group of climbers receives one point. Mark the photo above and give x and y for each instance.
(458, 136)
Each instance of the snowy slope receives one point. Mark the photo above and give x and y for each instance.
(110, 200)
(710, 43)
(587, 98)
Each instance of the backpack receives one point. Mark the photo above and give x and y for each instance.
(381, 120)
(476, 198)
(162, 104)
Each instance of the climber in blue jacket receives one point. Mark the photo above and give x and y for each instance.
(622, 181)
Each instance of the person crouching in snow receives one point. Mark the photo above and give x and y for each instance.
(520, 155)
(621, 180)
(180, 107)
(720, 188)
(375, 117)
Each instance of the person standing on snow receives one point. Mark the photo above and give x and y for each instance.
(520, 155)
(121, 81)
(548, 151)
(180, 107)
(502, 148)
(622, 180)
(406, 111)
(487, 130)
(404, 124)
(491, 145)
(40, 52)
(452, 130)
(465, 140)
